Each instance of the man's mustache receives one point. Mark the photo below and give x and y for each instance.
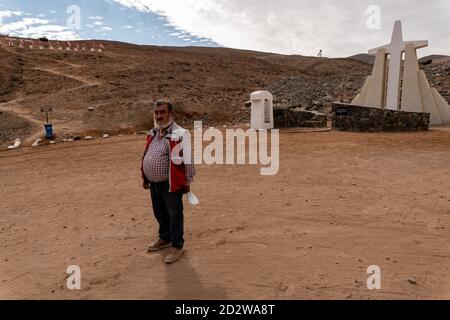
(159, 125)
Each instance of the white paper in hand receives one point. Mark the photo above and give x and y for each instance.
(192, 199)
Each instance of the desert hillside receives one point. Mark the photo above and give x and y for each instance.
(120, 84)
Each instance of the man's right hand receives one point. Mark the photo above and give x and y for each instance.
(146, 185)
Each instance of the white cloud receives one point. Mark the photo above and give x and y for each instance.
(21, 25)
(9, 14)
(37, 27)
(98, 23)
(303, 26)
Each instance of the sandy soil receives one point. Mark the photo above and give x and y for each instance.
(340, 203)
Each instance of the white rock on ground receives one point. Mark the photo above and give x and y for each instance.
(88, 138)
(36, 143)
(15, 145)
(105, 136)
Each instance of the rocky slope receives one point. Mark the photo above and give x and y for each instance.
(208, 84)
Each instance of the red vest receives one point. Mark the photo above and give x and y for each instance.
(177, 173)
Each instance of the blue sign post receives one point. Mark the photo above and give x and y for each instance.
(48, 126)
(48, 130)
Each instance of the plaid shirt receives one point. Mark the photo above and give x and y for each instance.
(157, 161)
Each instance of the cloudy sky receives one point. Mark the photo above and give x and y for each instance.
(340, 28)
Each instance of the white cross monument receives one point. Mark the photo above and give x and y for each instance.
(417, 94)
(395, 49)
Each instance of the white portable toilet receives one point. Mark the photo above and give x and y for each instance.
(262, 110)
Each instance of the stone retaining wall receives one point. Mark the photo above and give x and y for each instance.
(296, 118)
(346, 117)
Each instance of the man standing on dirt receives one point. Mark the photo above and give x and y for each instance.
(168, 171)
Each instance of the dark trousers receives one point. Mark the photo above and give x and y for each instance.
(168, 210)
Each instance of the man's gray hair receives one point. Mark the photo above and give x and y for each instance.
(167, 103)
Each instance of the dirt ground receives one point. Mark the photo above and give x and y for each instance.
(340, 203)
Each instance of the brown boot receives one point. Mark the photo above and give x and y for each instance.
(158, 245)
(174, 255)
